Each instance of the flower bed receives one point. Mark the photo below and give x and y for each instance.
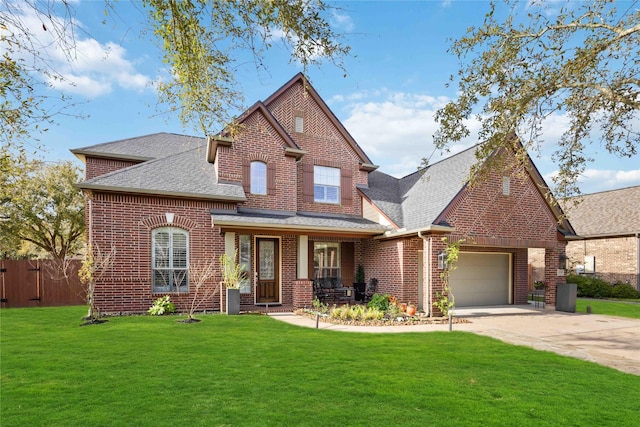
(400, 320)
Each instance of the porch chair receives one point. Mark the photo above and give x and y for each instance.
(372, 288)
(319, 290)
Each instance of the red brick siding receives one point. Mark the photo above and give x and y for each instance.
(259, 141)
(323, 143)
(127, 222)
(523, 216)
(96, 167)
(395, 264)
(483, 216)
(616, 257)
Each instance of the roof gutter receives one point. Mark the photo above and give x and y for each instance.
(290, 227)
(83, 154)
(108, 188)
(431, 229)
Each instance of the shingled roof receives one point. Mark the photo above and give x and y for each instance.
(186, 174)
(320, 222)
(142, 148)
(609, 213)
(416, 200)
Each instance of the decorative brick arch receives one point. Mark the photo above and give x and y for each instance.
(259, 157)
(161, 221)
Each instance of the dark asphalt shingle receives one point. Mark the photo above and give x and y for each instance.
(614, 212)
(416, 200)
(144, 147)
(187, 174)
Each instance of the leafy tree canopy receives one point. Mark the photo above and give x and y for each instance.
(41, 205)
(201, 41)
(580, 61)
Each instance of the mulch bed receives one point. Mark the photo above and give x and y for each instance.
(403, 320)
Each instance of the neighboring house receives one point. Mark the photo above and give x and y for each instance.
(298, 199)
(609, 223)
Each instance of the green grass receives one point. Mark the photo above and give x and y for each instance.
(622, 308)
(254, 370)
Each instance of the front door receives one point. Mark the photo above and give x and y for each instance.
(268, 263)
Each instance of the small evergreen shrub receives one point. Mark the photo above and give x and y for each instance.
(624, 291)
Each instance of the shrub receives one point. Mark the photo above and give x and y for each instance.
(161, 306)
(624, 291)
(591, 287)
(379, 302)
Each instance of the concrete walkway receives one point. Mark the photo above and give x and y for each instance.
(607, 340)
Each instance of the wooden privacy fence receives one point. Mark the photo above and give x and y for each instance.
(39, 283)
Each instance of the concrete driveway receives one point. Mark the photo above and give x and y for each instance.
(609, 341)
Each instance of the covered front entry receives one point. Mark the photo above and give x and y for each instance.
(481, 279)
(268, 269)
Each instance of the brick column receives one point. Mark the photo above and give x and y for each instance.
(553, 273)
(302, 293)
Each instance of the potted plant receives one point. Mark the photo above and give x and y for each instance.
(231, 279)
(359, 283)
(411, 309)
(539, 285)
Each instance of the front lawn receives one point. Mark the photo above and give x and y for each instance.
(622, 308)
(254, 370)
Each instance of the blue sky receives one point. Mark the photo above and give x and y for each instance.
(396, 80)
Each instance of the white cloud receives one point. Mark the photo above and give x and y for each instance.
(594, 180)
(89, 68)
(342, 21)
(396, 131)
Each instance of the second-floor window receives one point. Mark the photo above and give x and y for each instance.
(258, 178)
(326, 184)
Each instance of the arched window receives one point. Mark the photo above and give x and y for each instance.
(170, 260)
(258, 178)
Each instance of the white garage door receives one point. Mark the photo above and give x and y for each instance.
(481, 279)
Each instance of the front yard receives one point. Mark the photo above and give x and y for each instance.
(622, 308)
(254, 370)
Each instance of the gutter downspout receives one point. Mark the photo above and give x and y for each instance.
(426, 281)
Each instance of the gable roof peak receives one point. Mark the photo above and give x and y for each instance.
(302, 79)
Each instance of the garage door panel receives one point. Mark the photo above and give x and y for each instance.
(481, 279)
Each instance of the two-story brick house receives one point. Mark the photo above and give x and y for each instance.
(296, 197)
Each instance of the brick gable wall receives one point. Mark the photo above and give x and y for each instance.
(322, 141)
(96, 166)
(485, 213)
(259, 141)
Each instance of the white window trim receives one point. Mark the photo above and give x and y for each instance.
(170, 288)
(318, 183)
(258, 184)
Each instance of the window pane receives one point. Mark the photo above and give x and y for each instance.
(267, 264)
(326, 176)
(245, 263)
(326, 257)
(161, 250)
(258, 178)
(179, 251)
(170, 260)
(161, 280)
(331, 194)
(180, 280)
(326, 184)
